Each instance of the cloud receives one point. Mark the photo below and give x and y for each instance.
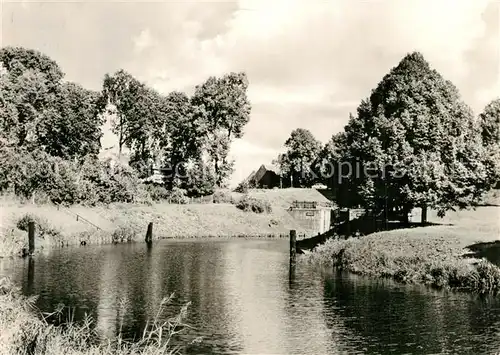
(143, 40)
(309, 62)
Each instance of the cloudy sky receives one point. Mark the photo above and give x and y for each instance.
(309, 62)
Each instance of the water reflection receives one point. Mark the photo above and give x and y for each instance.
(388, 317)
(245, 298)
(31, 275)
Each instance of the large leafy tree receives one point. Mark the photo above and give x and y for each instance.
(125, 95)
(222, 104)
(416, 143)
(39, 111)
(29, 84)
(489, 126)
(297, 163)
(181, 136)
(144, 129)
(489, 121)
(72, 128)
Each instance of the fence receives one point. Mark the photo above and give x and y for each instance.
(310, 204)
(78, 217)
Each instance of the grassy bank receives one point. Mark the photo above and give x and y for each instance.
(121, 222)
(431, 255)
(23, 330)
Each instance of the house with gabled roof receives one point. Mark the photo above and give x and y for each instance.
(266, 177)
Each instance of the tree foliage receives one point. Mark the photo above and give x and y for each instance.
(39, 111)
(296, 164)
(223, 107)
(416, 143)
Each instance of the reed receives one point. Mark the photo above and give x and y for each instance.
(25, 330)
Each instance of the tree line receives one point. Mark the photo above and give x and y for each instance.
(412, 143)
(50, 124)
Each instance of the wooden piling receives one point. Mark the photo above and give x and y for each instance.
(293, 256)
(31, 238)
(293, 247)
(31, 275)
(149, 233)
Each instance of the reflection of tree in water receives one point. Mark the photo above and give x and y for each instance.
(403, 319)
(60, 280)
(189, 270)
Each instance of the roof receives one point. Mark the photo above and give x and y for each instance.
(270, 168)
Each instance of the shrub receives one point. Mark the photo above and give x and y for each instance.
(244, 187)
(178, 195)
(156, 192)
(122, 234)
(250, 204)
(222, 197)
(41, 225)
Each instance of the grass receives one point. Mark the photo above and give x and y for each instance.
(24, 330)
(433, 255)
(170, 221)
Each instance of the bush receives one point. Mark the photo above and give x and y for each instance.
(250, 204)
(42, 225)
(36, 175)
(122, 234)
(156, 192)
(244, 187)
(178, 195)
(222, 197)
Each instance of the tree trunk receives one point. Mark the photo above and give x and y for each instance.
(406, 211)
(424, 214)
(217, 173)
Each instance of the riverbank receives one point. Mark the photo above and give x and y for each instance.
(122, 222)
(24, 330)
(433, 255)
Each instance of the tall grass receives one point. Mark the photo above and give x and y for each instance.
(24, 330)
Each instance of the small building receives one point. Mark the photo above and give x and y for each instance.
(266, 177)
(314, 216)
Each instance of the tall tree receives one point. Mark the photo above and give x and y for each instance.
(29, 83)
(122, 91)
(72, 128)
(181, 136)
(415, 141)
(489, 121)
(297, 162)
(223, 106)
(489, 126)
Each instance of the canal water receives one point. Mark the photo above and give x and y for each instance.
(243, 301)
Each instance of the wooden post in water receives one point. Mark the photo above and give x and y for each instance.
(293, 256)
(31, 238)
(149, 233)
(31, 275)
(293, 246)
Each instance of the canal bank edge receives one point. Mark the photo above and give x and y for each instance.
(438, 255)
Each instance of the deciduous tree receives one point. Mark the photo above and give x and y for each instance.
(297, 162)
(223, 106)
(417, 138)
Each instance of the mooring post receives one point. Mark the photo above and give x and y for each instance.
(293, 246)
(293, 256)
(31, 275)
(149, 233)
(31, 238)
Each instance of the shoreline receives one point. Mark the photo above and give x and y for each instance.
(116, 223)
(437, 256)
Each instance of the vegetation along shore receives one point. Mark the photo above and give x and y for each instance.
(439, 255)
(25, 330)
(225, 214)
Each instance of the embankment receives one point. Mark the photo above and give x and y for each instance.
(434, 255)
(131, 220)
